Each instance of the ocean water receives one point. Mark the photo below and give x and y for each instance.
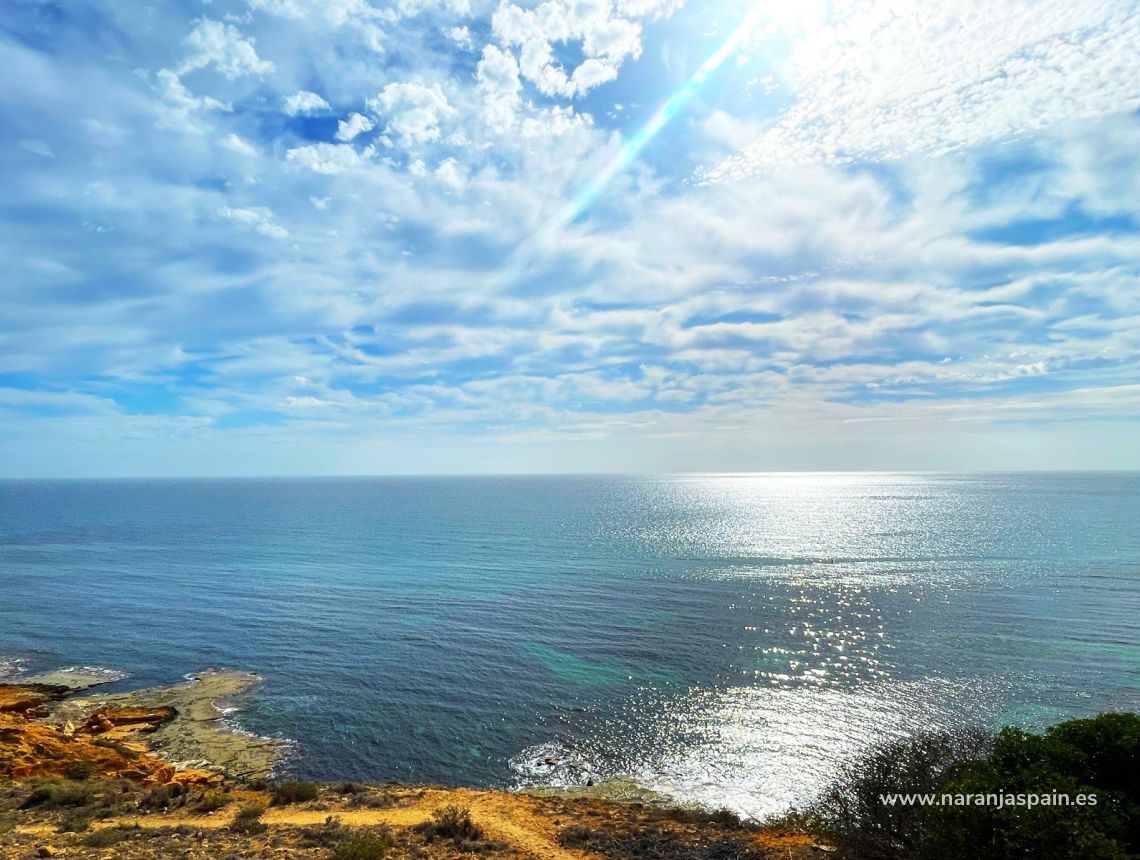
(726, 639)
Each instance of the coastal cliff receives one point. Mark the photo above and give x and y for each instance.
(155, 773)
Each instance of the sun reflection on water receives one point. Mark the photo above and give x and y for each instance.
(759, 750)
(828, 571)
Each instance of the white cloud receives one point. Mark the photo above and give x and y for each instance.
(360, 17)
(794, 302)
(327, 158)
(414, 111)
(451, 174)
(591, 73)
(178, 103)
(497, 75)
(236, 144)
(256, 218)
(336, 13)
(890, 78)
(356, 124)
(729, 130)
(607, 35)
(283, 8)
(304, 102)
(37, 147)
(462, 37)
(224, 47)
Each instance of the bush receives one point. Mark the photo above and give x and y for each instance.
(211, 801)
(1099, 756)
(328, 834)
(293, 792)
(372, 847)
(452, 822)
(108, 836)
(79, 770)
(850, 809)
(577, 836)
(697, 815)
(75, 824)
(56, 794)
(163, 797)
(248, 820)
(657, 843)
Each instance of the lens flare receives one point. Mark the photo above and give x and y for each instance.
(668, 109)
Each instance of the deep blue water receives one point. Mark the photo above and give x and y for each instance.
(724, 638)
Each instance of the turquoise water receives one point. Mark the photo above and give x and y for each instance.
(726, 639)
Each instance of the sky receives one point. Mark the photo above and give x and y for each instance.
(260, 237)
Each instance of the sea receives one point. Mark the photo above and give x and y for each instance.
(728, 640)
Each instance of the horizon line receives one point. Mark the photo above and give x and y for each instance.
(741, 473)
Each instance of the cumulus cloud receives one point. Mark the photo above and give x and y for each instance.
(451, 174)
(304, 102)
(606, 34)
(414, 111)
(178, 104)
(327, 158)
(257, 218)
(498, 79)
(236, 144)
(887, 79)
(462, 37)
(221, 45)
(356, 124)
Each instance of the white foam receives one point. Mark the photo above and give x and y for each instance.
(552, 764)
(759, 751)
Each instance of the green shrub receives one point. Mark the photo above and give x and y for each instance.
(1099, 756)
(293, 792)
(248, 820)
(328, 834)
(452, 822)
(211, 801)
(75, 824)
(850, 809)
(79, 770)
(698, 815)
(640, 842)
(108, 836)
(56, 794)
(371, 847)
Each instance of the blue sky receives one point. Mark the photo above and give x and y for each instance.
(298, 237)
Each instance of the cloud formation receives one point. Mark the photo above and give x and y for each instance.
(222, 46)
(883, 235)
(305, 102)
(889, 79)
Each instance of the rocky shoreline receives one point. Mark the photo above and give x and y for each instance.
(52, 725)
(157, 772)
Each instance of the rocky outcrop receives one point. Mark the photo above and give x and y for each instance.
(132, 719)
(110, 743)
(29, 700)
